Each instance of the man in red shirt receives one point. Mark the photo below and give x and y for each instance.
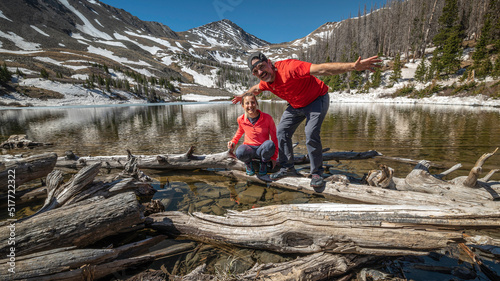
(295, 82)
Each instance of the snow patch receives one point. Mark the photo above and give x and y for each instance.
(4, 17)
(39, 30)
(20, 42)
(98, 21)
(87, 27)
(202, 98)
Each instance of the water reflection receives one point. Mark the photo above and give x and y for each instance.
(442, 134)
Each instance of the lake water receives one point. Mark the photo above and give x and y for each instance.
(445, 135)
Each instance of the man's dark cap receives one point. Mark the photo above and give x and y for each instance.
(258, 55)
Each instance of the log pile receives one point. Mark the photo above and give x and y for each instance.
(410, 216)
(20, 141)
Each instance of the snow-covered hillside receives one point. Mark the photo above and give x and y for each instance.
(84, 44)
(69, 38)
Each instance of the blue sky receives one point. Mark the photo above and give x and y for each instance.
(275, 21)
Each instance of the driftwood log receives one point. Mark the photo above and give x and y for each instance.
(77, 214)
(189, 161)
(75, 225)
(337, 228)
(420, 187)
(88, 264)
(23, 170)
(91, 211)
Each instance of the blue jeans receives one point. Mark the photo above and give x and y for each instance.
(314, 114)
(264, 152)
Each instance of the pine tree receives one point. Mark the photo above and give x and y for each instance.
(5, 75)
(421, 71)
(396, 74)
(496, 68)
(376, 78)
(44, 74)
(448, 39)
(19, 72)
(480, 55)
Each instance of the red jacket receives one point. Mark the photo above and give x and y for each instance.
(257, 134)
(294, 83)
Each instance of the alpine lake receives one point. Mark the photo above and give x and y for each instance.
(442, 134)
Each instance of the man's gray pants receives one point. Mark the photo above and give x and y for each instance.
(314, 114)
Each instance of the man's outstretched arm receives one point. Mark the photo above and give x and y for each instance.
(333, 68)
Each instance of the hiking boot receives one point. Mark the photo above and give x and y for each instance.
(250, 170)
(263, 168)
(284, 172)
(317, 181)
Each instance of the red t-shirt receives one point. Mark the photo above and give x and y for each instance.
(294, 83)
(257, 134)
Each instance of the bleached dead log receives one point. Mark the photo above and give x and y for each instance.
(22, 170)
(77, 264)
(186, 161)
(421, 180)
(472, 179)
(381, 178)
(131, 170)
(81, 186)
(449, 171)
(59, 194)
(76, 225)
(362, 193)
(338, 228)
(189, 161)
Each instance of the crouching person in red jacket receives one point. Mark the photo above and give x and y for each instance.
(260, 140)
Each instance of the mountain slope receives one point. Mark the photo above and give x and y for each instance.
(75, 40)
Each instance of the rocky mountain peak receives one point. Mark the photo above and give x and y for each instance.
(224, 33)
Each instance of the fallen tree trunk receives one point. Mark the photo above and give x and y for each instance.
(22, 170)
(87, 264)
(75, 225)
(189, 161)
(419, 187)
(338, 228)
(341, 187)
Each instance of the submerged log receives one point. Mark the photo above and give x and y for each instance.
(189, 161)
(337, 228)
(319, 266)
(23, 170)
(76, 225)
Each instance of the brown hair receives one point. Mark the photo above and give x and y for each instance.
(248, 95)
